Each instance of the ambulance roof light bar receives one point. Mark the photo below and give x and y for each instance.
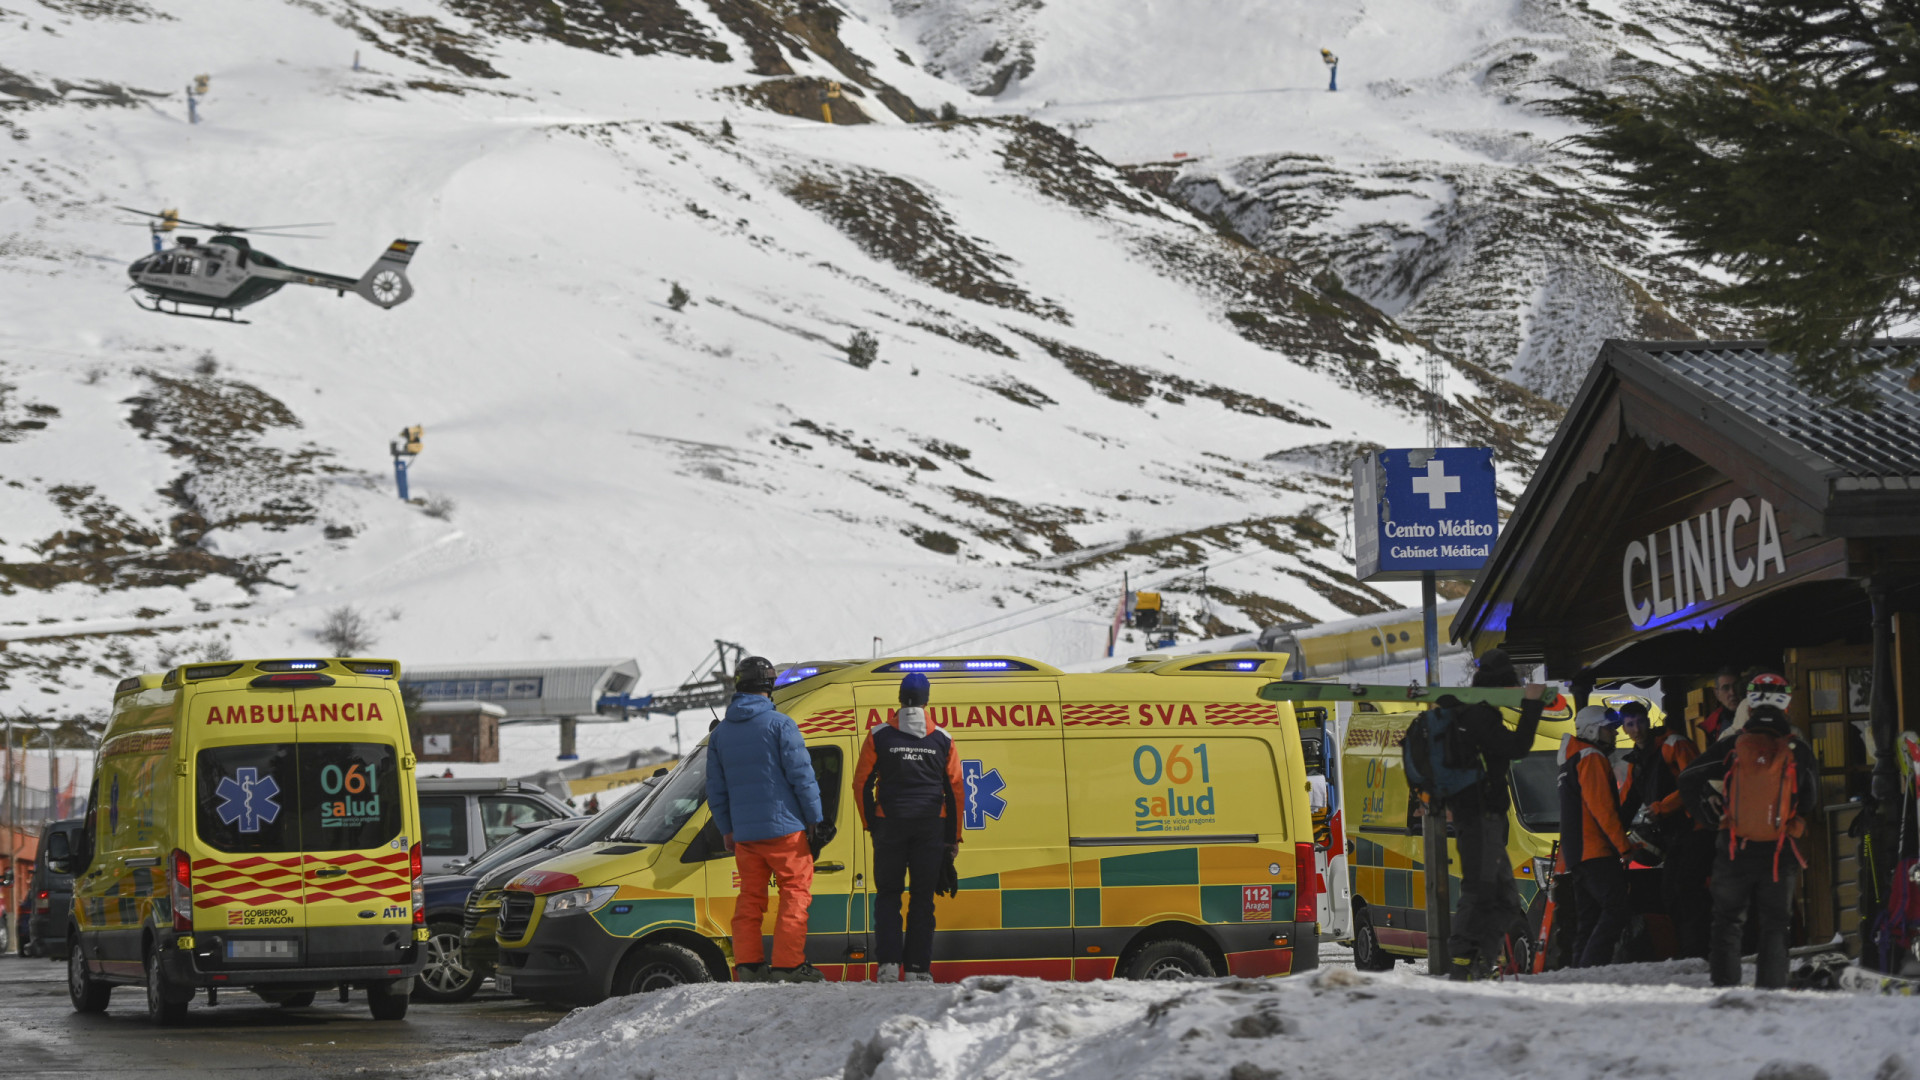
(955, 666)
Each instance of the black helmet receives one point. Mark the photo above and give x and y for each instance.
(754, 675)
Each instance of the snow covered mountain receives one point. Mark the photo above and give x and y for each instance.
(1089, 361)
(1431, 186)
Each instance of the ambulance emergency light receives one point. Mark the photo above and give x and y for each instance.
(958, 666)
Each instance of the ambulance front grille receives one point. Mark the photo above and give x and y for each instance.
(516, 911)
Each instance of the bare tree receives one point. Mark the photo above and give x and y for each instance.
(347, 632)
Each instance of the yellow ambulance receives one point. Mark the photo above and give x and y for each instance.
(1148, 822)
(1385, 847)
(252, 825)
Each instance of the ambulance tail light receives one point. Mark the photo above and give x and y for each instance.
(1306, 885)
(419, 890)
(180, 890)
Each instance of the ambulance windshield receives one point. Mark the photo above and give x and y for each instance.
(1536, 791)
(297, 797)
(681, 793)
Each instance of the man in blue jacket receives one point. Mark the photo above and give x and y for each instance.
(766, 803)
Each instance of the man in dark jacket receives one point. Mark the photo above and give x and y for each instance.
(910, 798)
(766, 803)
(1659, 756)
(1489, 902)
(1728, 783)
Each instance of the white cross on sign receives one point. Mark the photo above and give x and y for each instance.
(1436, 485)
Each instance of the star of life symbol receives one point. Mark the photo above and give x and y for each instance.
(1436, 485)
(983, 794)
(247, 797)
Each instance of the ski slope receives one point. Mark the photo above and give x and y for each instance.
(1058, 398)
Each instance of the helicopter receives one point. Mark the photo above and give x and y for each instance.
(227, 273)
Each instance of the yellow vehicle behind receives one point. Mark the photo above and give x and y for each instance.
(252, 824)
(1150, 822)
(1387, 860)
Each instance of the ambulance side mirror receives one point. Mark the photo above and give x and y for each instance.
(59, 854)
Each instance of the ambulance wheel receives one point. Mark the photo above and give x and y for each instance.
(1170, 958)
(659, 966)
(297, 1000)
(388, 1000)
(1367, 953)
(88, 996)
(447, 978)
(166, 1005)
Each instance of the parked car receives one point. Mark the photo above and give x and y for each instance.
(49, 897)
(449, 976)
(460, 819)
(480, 952)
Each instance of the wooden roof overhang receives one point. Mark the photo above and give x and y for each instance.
(1649, 457)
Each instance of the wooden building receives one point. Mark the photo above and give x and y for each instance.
(456, 731)
(1698, 509)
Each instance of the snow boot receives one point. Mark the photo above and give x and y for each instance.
(752, 973)
(805, 973)
(919, 976)
(889, 973)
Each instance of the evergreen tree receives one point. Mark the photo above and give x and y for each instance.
(678, 298)
(1790, 158)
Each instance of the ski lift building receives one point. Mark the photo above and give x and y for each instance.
(557, 691)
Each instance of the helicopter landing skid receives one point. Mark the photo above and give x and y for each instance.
(157, 306)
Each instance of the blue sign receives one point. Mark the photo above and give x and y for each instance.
(1423, 510)
(983, 794)
(247, 797)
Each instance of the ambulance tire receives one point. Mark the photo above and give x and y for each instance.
(166, 1004)
(1170, 958)
(659, 965)
(388, 1000)
(299, 999)
(1367, 953)
(88, 995)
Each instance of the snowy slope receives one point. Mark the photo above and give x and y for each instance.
(1076, 377)
(1430, 185)
(1636, 1020)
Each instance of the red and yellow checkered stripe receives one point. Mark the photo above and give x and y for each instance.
(256, 881)
(1078, 714)
(831, 722)
(1243, 712)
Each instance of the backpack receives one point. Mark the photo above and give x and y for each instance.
(1762, 783)
(1435, 757)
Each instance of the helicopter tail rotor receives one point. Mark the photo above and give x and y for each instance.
(385, 282)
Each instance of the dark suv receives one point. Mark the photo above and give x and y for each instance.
(49, 895)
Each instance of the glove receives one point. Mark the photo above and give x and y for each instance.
(727, 843)
(819, 835)
(949, 880)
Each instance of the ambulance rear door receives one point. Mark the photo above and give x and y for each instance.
(352, 807)
(249, 891)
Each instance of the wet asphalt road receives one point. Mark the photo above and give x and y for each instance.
(41, 1035)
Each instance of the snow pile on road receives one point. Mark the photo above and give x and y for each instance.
(1639, 1020)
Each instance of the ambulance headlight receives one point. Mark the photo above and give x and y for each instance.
(575, 901)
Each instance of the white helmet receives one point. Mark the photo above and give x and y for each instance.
(1596, 724)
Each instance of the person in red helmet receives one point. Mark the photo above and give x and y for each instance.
(1759, 788)
(910, 798)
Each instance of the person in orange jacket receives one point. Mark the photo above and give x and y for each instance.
(910, 799)
(1592, 836)
(1652, 786)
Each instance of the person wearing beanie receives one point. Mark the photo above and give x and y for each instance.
(1593, 838)
(1758, 787)
(910, 799)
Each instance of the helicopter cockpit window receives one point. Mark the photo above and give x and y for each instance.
(213, 267)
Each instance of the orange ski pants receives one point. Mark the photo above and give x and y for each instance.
(787, 860)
